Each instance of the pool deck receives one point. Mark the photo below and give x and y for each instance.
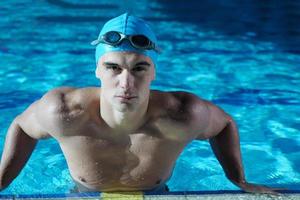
(207, 195)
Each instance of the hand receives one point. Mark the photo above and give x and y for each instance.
(254, 188)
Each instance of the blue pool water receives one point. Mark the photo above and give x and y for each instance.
(253, 77)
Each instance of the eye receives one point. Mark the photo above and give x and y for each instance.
(114, 68)
(139, 69)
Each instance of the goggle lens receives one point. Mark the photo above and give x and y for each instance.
(140, 41)
(112, 37)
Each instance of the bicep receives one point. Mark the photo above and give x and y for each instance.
(42, 118)
(216, 120)
(52, 111)
(29, 122)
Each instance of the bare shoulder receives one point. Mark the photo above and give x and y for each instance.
(65, 99)
(60, 110)
(56, 100)
(179, 102)
(206, 118)
(64, 108)
(201, 117)
(31, 119)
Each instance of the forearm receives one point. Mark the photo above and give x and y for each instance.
(17, 150)
(226, 147)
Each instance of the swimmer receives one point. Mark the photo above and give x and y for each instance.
(123, 136)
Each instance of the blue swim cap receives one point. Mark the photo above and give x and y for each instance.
(128, 25)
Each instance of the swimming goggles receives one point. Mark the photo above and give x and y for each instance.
(114, 38)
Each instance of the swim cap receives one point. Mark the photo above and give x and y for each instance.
(128, 25)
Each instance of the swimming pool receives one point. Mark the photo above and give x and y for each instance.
(257, 81)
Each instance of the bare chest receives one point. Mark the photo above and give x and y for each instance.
(104, 159)
(146, 144)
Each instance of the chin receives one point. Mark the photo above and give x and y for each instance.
(125, 107)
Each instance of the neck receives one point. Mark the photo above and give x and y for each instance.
(126, 121)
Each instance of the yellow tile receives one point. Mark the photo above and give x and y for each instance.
(122, 196)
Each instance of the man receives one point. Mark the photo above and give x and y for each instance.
(123, 136)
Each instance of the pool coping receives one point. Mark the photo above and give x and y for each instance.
(97, 194)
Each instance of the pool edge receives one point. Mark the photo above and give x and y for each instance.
(97, 195)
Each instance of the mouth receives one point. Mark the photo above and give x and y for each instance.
(126, 98)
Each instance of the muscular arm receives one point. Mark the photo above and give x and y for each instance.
(47, 115)
(223, 137)
(222, 132)
(18, 148)
(20, 141)
(226, 147)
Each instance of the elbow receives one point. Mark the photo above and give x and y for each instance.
(229, 120)
(3, 185)
(4, 182)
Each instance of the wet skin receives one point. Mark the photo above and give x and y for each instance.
(123, 136)
(101, 158)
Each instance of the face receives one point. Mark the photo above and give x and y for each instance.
(125, 79)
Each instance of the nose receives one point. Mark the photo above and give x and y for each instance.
(126, 80)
